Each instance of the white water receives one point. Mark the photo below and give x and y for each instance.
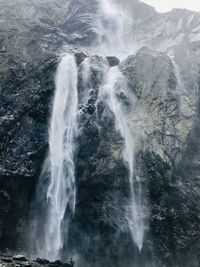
(115, 31)
(180, 82)
(61, 192)
(116, 83)
(114, 27)
(85, 72)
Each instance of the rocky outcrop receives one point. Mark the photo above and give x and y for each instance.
(7, 259)
(164, 112)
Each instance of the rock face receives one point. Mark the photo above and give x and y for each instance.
(180, 27)
(166, 118)
(24, 139)
(164, 130)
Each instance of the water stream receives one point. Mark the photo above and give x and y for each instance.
(115, 85)
(61, 191)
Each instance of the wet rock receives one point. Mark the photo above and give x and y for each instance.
(80, 57)
(3, 50)
(19, 257)
(42, 261)
(56, 263)
(113, 61)
(6, 259)
(91, 109)
(27, 264)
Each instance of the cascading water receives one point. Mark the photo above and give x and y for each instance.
(84, 73)
(61, 191)
(114, 30)
(116, 84)
(113, 26)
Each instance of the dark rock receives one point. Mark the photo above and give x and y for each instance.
(91, 109)
(55, 263)
(27, 264)
(7, 259)
(113, 61)
(42, 261)
(80, 57)
(19, 257)
(24, 124)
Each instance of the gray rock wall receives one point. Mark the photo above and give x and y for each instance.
(165, 118)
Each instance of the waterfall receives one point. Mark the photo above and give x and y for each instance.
(84, 74)
(61, 191)
(111, 27)
(114, 30)
(114, 26)
(114, 86)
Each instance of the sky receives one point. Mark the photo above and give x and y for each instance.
(166, 5)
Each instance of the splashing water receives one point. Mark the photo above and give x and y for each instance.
(85, 72)
(61, 192)
(115, 84)
(111, 27)
(114, 30)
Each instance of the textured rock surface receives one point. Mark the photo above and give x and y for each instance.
(180, 27)
(7, 259)
(25, 106)
(166, 120)
(103, 186)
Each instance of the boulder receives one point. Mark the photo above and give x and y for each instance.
(20, 257)
(42, 261)
(113, 61)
